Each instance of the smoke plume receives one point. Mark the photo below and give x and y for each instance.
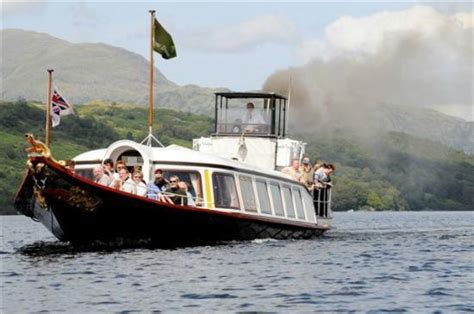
(418, 58)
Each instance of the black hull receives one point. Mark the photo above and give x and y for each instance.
(77, 210)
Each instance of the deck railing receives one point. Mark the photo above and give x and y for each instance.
(165, 197)
(322, 201)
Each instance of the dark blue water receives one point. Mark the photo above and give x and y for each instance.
(372, 262)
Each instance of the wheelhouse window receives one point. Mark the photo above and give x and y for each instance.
(259, 114)
(276, 198)
(225, 191)
(263, 198)
(248, 195)
(192, 180)
(290, 210)
(242, 120)
(298, 204)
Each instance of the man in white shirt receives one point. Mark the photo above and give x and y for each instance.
(252, 120)
(100, 177)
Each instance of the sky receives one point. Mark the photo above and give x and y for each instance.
(236, 45)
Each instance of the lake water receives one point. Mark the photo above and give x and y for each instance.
(370, 262)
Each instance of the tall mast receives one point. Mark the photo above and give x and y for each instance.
(48, 108)
(152, 35)
(149, 139)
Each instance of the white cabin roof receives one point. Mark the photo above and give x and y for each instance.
(182, 154)
(169, 154)
(92, 155)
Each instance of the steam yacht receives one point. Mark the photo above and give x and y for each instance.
(233, 176)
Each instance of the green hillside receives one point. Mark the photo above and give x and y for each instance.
(395, 171)
(391, 172)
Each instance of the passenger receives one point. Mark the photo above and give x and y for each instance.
(108, 166)
(252, 119)
(174, 194)
(140, 186)
(100, 177)
(293, 171)
(138, 168)
(323, 175)
(157, 186)
(322, 178)
(125, 183)
(118, 166)
(184, 186)
(307, 172)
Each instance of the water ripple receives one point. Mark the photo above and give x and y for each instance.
(208, 296)
(373, 262)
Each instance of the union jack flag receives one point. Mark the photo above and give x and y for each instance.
(59, 107)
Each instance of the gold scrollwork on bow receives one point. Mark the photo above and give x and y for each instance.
(40, 199)
(82, 199)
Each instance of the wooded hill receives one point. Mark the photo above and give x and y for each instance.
(392, 172)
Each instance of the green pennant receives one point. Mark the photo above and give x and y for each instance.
(163, 43)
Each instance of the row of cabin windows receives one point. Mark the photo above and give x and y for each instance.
(282, 196)
(226, 195)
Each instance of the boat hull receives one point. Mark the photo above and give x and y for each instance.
(79, 211)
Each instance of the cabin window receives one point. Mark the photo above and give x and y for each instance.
(298, 204)
(309, 206)
(290, 210)
(276, 198)
(86, 173)
(225, 191)
(192, 179)
(131, 158)
(263, 198)
(248, 195)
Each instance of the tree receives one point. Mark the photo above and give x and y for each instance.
(374, 200)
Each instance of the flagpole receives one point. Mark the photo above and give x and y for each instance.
(149, 139)
(150, 109)
(48, 108)
(150, 136)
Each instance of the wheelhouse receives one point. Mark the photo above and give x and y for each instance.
(251, 128)
(232, 114)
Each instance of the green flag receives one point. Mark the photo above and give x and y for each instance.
(163, 43)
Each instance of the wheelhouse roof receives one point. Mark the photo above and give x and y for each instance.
(231, 95)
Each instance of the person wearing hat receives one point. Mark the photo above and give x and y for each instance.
(307, 172)
(252, 120)
(158, 185)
